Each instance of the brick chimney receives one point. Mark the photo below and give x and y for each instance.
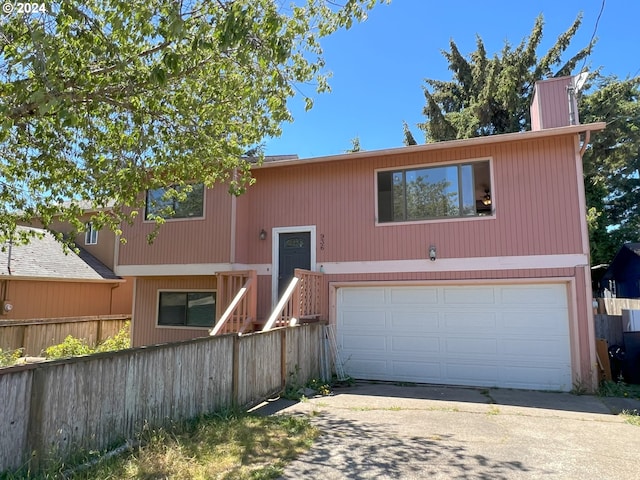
(554, 103)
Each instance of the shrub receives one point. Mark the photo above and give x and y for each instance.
(72, 346)
(9, 357)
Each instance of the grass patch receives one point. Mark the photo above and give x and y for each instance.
(619, 389)
(632, 417)
(493, 411)
(229, 446)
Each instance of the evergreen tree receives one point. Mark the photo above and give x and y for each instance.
(491, 95)
(612, 165)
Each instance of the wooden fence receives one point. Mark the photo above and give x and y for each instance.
(36, 335)
(609, 328)
(54, 409)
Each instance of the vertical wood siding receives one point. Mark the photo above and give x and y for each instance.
(183, 241)
(41, 299)
(536, 208)
(144, 329)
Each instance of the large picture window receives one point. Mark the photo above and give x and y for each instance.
(175, 202)
(187, 309)
(460, 190)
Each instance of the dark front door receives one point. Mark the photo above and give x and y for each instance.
(294, 251)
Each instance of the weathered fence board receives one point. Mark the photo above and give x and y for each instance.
(609, 327)
(36, 335)
(51, 410)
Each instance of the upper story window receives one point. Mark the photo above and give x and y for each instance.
(161, 202)
(90, 234)
(425, 193)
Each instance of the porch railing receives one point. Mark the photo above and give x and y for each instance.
(300, 301)
(238, 291)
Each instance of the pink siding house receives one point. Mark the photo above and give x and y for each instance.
(462, 262)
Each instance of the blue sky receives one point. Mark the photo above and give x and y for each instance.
(379, 66)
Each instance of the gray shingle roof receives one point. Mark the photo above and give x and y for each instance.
(45, 258)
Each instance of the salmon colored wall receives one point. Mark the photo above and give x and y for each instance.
(535, 212)
(144, 329)
(122, 297)
(103, 250)
(41, 299)
(180, 241)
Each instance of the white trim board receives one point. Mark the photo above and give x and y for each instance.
(380, 266)
(456, 264)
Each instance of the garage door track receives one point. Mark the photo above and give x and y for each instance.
(415, 432)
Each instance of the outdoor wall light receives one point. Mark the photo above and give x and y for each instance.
(432, 253)
(263, 234)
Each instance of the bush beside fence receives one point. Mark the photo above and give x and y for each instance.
(54, 409)
(33, 336)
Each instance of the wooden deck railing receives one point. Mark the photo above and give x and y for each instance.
(237, 293)
(300, 301)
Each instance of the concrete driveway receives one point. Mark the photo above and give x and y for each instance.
(415, 432)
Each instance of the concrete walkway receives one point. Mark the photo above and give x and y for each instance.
(415, 432)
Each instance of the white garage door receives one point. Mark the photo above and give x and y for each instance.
(513, 336)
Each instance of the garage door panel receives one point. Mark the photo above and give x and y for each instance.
(468, 296)
(410, 371)
(514, 336)
(534, 322)
(545, 296)
(368, 319)
(372, 369)
(469, 321)
(471, 374)
(364, 343)
(411, 296)
(360, 297)
(471, 346)
(417, 345)
(417, 322)
(552, 348)
(535, 377)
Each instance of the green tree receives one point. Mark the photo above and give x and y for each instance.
(355, 145)
(408, 136)
(612, 165)
(101, 100)
(491, 95)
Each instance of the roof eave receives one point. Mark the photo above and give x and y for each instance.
(466, 142)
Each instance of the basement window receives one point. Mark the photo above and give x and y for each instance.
(435, 192)
(187, 309)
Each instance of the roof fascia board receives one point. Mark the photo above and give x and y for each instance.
(462, 143)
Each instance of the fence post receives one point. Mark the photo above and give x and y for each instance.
(34, 424)
(283, 357)
(235, 369)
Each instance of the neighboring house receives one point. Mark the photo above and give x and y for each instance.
(41, 280)
(622, 278)
(463, 262)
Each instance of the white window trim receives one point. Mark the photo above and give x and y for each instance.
(180, 290)
(89, 235)
(275, 254)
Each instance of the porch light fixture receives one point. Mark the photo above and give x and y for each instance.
(263, 234)
(486, 200)
(432, 253)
